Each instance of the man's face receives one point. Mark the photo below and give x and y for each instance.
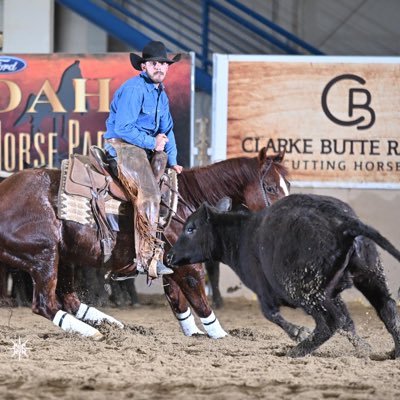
(156, 71)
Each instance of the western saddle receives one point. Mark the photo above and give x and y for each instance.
(91, 177)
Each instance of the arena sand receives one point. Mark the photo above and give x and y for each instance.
(151, 359)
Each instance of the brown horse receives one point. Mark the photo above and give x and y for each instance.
(34, 240)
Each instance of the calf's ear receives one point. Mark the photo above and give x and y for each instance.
(209, 211)
(224, 204)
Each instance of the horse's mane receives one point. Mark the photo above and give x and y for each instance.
(224, 178)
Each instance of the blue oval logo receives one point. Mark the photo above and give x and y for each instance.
(10, 64)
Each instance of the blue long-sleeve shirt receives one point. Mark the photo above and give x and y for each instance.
(140, 111)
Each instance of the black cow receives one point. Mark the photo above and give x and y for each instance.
(303, 251)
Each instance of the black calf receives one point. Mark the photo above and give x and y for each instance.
(301, 252)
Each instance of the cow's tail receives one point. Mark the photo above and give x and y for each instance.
(354, 227)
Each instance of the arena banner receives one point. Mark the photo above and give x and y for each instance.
(337, 118)
(53, 105)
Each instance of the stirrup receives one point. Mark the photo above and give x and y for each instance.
(162, 269)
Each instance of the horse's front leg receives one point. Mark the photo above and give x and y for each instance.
(180, 306)
(72, 304)
(185, 285)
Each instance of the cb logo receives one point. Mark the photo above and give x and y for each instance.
(351, 104)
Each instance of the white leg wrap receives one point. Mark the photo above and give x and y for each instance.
(69, 323)
(187, 323)
(91, 314)
(213, 327)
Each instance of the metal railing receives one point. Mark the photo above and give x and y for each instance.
(202, 26)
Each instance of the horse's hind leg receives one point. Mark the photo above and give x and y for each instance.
(188, 281)
(130, 288)
(46, 304)
(72, 304)
(44, 300)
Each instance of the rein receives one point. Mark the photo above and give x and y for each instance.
(179, 219)
(175, 216)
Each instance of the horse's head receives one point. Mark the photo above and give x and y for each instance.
(273, 182)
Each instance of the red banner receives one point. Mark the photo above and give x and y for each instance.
(55, 105)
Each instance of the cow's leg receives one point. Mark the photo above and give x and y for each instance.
(328, 319)
(72, 304)
(348, 329)
(213, 271)
(369, 278)
(189, 281)
(295, 332)
(374, 287)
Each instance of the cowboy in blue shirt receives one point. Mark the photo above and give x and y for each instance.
(141, 142)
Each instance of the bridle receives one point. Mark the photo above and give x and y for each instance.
(180, 220)
(263, 191)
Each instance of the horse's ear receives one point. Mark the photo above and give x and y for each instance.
(262, 155)
(278, 158)
(224, 204)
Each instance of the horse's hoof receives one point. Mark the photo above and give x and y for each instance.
(97, 336)
(213, 327)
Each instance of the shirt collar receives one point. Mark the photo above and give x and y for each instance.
(150, 84)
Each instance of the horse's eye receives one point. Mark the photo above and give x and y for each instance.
(189, 229)
(271, 189)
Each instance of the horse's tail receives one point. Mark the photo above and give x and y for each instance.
(354, 228)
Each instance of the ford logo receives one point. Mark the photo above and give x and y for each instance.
(10, 64)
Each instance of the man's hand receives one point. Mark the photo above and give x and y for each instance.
(177, 168)
(161, 141)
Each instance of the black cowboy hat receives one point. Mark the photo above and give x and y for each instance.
(153, 51)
